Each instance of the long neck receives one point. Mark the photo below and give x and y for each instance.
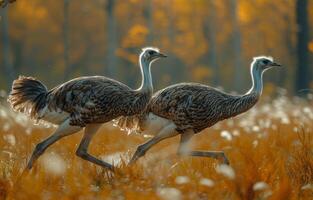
(257, 82)
(242, 103)
(146, 83)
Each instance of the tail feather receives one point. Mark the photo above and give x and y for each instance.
(28, 96)
(131, 124)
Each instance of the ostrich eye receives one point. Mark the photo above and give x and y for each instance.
(266, 62)
(151, 53)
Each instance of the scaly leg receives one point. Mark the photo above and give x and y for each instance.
(63, 130)
(166, 132)
(82, 150)
(183, 149)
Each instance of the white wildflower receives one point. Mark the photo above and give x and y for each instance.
(285, 120)
(255, 143)
(236, 132)
(10, 139)
(3, 114)
(260, 186)
(54, 164)
(207, 182)
(22, 120)
(307, 110)
(169, 193)
(227, 135)
(182, 179)
(94, 188)
(28, 131)
(256, 128)
(147, 136)
(6, 127)
(226, 170)
(308, 186)
(112, 158)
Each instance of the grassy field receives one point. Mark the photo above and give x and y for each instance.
(270, 149)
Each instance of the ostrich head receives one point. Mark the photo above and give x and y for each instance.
(147, 56)
(258, 66)
(150, 54)
(261, 64)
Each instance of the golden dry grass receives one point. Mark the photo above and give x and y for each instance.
(269, 147)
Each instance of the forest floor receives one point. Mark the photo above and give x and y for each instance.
(270, 149)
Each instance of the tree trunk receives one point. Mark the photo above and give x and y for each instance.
(290, 50)
(149, 17)
(9, 70)
(67, 66)
(212, 54)
(236, 46)
(17, 51)
(111, 60)
(170, 29)
(302, 72)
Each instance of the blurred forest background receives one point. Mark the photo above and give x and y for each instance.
(208, 41)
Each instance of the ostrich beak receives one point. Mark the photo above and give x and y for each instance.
(161, 55)
(274, 64)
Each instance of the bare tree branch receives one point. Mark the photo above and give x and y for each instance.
(4, 3)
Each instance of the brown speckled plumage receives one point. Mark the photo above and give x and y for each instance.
(97, 100)
(94, 99)
(192, 106)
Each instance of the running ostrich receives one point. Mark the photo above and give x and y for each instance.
(82, 102)
(188, 108)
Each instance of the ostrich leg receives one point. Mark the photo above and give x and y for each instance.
(183, 149)
(63, 130)
(90, 131)
(166, 132)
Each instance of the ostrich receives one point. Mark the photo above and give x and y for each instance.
(188, 108)
(82, 102)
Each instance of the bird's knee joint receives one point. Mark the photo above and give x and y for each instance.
(140, 150)
(223, 158)
(81, 153)
(39, 149)
(183, 151)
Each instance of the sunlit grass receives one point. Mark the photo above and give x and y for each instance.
(269, 148)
